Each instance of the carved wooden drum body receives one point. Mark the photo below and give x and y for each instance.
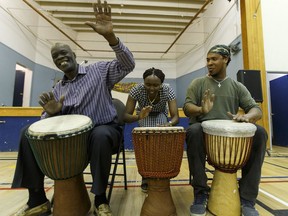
(60, 147)
(228, 145)
(158, 152)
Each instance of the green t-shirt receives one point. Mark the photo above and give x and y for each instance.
(228, 98)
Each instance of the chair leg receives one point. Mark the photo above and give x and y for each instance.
(113, 175)
(124, 167)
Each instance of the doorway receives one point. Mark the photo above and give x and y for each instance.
(18, 88)
(22, 86)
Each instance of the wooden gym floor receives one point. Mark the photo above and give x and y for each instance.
(272, 198)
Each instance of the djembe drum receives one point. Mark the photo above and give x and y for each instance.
(158, 153)
(228, 145)
(60, 147)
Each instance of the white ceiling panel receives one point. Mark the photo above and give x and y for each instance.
(152, 29)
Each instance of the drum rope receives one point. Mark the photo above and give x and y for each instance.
(227, 154)
(159, 153)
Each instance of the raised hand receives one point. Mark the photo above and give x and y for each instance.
(145, 112)
(207, 101)
(49, 104)
(103, 24)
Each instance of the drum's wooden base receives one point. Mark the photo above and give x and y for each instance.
(71, 197)
(159, 200)
(224, 197)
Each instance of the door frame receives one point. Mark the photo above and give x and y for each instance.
(27, 84)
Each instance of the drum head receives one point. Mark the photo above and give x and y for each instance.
(65, 125)
(228, 128)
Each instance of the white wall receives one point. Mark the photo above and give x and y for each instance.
(13, 33)
(222, 18)
(26, 43)
(275, 31)
(29, 41)
(274, 17)
(168, 67)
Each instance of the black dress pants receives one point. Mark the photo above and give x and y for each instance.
(104, 140)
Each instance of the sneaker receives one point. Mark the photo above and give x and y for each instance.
(103, 210)
(198, 208)
(248, 208)
(41, 210)
(144, 186)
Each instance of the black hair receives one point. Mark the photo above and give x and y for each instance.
(155, 72)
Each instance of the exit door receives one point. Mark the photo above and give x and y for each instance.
(279, 106)
(18, 88)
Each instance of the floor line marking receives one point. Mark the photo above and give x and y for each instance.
(273, 197)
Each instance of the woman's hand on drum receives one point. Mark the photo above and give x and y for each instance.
(207, 101)
(50, 105)
(144, 112)
(168, 124)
